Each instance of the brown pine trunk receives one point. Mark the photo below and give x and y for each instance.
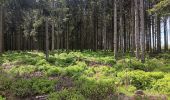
(142, 30)
(133, 27)
(150, 41)
(168, 37)
(158, 35)
(1, 29)
(121, 28)
(153, 34)
(46, 39)
(137, 39)
(104, 30)
(121, 36)
(115, 29)
(53, 25)
(165, 35)
(58, 34)
(52, 36)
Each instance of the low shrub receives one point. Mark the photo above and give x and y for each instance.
(66, 95)
(41, 62)
(102, 60)
(165, 68)
(156, 75)
(134, 64)
(1, 98)
(140, 79)
(77, 55)
(90, 74)
(109, 60)
(44, 67)
(152, 64)
(29, 87)
(29, 60)
(54, 71)
(64, 60)
(100, 72)
(1, 60)
(128, 90)
(75, 69)
(105, 70)
(106, 60)
(162, 85)
(121, 65)
(131, 89)
(42, 86)
(22, 87)
(20, 70)
(164, 56)
(5, 81)
(95, 89)
(52, 60)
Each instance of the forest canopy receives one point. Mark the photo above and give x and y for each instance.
(162, 7)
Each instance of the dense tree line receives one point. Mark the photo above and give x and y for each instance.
(119, 25)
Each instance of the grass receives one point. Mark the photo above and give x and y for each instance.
(87, 75)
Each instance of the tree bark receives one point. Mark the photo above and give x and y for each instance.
(165, 34)
(52, 36)
(133, 27)
(158, 35)
(115, 29)
(104, 28)
(142, 30)
(137, 39)
(168, 37)
(1, 28)
(53, 25)
(47, 38)
(121, 28)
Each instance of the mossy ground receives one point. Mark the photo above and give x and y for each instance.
(83, 75)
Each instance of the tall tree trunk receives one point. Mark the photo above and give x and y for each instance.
(121, 28)
(53, 25)
(52, 36)
(153, 34)
(133, 27)
(137, 39)
(115, 29)
(104, 28)
(150, 35)
(158, 35)
(142, 30)
(67, 36)
(168, 37)
(58, 37)
(47, 38)
(1, 28)
(165, 34)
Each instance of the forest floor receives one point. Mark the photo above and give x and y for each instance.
(83, 75)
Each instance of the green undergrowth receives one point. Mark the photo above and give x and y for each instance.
(85, 75)
(1, 98)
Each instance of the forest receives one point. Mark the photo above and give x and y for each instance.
(84, 49)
